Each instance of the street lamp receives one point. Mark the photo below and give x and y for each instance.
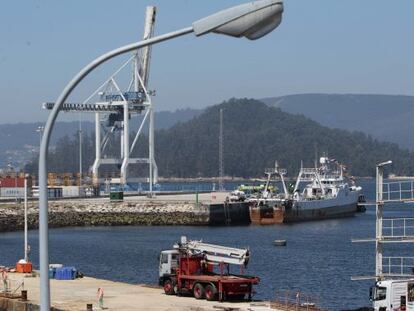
(251, 20)
(40, 130)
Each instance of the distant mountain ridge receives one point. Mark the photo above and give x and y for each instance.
(385, 117)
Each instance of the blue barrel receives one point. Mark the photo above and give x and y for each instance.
(65, 273)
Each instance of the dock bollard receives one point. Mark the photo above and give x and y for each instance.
(24, 295)
(89, 307)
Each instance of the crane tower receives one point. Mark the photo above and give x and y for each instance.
(113, 109)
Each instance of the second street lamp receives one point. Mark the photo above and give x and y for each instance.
(252, 20)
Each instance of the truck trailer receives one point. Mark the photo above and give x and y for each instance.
(389, 295)
(203, 270)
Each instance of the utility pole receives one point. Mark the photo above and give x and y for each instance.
(221, 149)
(40, 130)
(80, 149)
(26, 246)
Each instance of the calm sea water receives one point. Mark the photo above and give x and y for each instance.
(319, 258)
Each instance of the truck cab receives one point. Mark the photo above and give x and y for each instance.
(390, 295)
(168, 264)
(378, 296)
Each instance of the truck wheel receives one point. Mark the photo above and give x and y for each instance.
(211, 292)
(169, 287)
(198, 291)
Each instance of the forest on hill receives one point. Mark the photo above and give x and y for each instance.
(384, 117)
(255, 136)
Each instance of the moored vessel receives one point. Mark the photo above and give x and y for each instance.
(319, 193)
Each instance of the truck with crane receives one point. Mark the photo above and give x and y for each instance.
(203, 270)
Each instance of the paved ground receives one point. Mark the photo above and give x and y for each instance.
(210, 197)
(74, 295)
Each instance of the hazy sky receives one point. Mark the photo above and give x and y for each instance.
(328, 46)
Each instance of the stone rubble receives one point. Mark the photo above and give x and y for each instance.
(105, 213)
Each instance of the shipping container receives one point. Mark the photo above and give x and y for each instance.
(116, 196)
(73, 191)
(53, 192)
(12, 192)
(14, 182)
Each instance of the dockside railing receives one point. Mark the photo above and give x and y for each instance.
(391, 230)
(398, 191)
(398, 228)
(393, 266)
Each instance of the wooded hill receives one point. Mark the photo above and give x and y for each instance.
(255, 135)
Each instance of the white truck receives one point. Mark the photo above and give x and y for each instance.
(390, 295)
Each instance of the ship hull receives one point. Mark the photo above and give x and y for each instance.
(298, 211)
(266, 215)
(297, 214)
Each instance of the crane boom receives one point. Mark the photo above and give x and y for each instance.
(216, 253)
(144, 55)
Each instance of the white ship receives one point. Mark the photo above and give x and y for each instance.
(319, 193)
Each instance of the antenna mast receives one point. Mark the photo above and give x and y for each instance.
(221, 148)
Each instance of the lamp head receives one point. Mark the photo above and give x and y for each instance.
(384, 163)
(252, 20)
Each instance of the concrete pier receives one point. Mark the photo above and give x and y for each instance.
(74, 295)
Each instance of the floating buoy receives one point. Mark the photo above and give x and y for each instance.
(279, 242)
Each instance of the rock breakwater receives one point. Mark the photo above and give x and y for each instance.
(101, 213)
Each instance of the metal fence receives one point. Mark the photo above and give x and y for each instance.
(398, 266)
(398, 191)
(398, 228)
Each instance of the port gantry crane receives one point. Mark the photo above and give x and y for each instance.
(113, 109)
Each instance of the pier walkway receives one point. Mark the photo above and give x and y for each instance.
(76, 294)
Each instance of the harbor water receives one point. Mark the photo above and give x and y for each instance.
(319, 258)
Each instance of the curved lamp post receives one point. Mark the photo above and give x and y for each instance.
(251, 20)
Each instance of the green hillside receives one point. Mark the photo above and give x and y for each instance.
(256, 135)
